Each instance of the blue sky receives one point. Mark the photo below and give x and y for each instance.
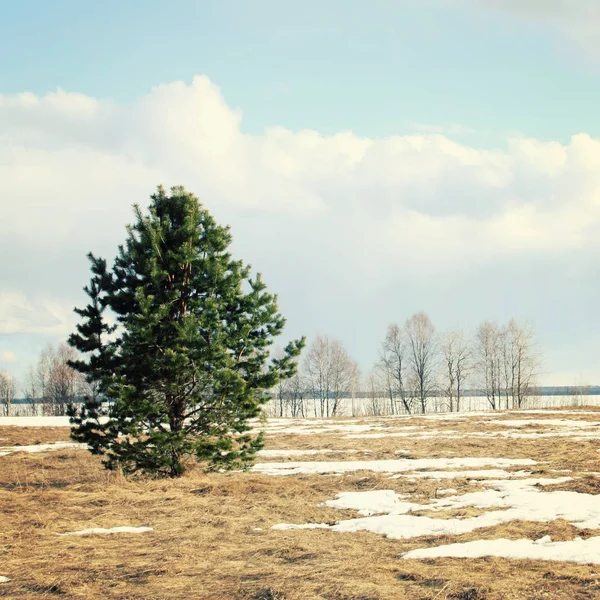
(443, 170)
(370, 67)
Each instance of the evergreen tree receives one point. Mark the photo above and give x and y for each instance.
(187, 363)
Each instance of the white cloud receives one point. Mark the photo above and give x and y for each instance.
(68, 159)
(395, 211)
(19, 314)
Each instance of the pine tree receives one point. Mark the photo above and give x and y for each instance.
(187, 363)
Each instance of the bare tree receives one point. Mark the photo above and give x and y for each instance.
(422, 347)
(456, 354)
(281, 397)
(343, 375)
(317, 367)
(354, 383)
(373, 387)
(487, 349)
(509, 366)
(464, 366)
(392, 364)
(330, 373)
(54, 382)
(40, 378)
(281, 387)
(578, 392)
(507, 363)
(30, 391)
(7, 391)
(297, 394)
(526, 360)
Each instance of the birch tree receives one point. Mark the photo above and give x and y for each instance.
(373, 388)
(456, 363)
(7, 391)
(393, 364)
(525, 362)
(296, 394)
(344, 372)
(487, 351)
(54, 383)
(318, 370)
(330, 372)
(422, 348)
(507, 363)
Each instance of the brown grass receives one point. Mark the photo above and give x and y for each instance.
(27, 436)
(213, 536)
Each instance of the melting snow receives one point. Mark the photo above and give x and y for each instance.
(282, 453)
(100, 530)
(385, 466)
(577, 550)
(481, 474)
(549, 422)
(547, 411)
(520, 499)
(575, 433)
(411, 434)
(371, 503)
(308, 427)
(35, 421)
(41, 447)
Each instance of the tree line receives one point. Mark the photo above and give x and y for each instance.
(415, 364)
(50, 384)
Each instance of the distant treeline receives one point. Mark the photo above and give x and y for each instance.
(559, 390)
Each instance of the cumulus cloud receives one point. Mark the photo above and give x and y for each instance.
(379, 212)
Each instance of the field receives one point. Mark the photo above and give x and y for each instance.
(335, 509)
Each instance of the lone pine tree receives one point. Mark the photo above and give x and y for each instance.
(187, 363)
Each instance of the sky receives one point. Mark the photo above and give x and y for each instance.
(373, 159)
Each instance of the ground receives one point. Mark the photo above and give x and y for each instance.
(213, 535)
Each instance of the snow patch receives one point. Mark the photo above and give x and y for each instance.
(42, 447)
(577, 550)
(569, 423)
(409, 434)
(520, 500)
(283, 453)
(35, 421)
(372, 503)
(477, 474)
(4, 579)
(100, 530)
(384, 466)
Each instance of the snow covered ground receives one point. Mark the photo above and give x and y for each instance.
(577, 550)
(384, 466)
(519, 500)
(112, 530)
(34, 421)
(6, 450)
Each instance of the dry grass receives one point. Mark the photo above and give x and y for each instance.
(213, 536)
(27, 436)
